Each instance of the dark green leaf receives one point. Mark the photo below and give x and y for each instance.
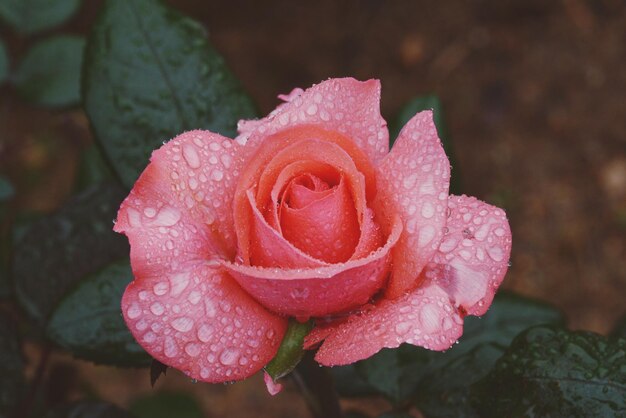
(4, 63)
(11, 365)
(620, 329)
(57, 252)
(88, 320)
(150, 74)
(350, 383)
(290, 351)
(427, 103)
(156, 370)
(6, 189)
(93, 169)
(49, 74)
(28, 16)
(166, 405)
(550, 372)
(89, 409)
(440, 377)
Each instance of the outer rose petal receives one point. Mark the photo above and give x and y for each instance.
(180, 209)
(178, 216)
(414, 180)
(201, 322)
(344, 105)
(317, 291)
(473, 256)
(424, 317)
(466, 271)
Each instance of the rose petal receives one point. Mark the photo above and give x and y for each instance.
(344, 105)
(317, 291)
(298, 196)
(424, 317)
(201, 322)
(326, 229)
(295, 146)
(273, 388)
(474, 254)
(270, 249)
(180, 209)
(414, 180)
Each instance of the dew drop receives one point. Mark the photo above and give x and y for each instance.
(170, 349)
(161, 288)
(157, 308)
(182, 324)
(133, 311)
(229, 356)
(495, 253)
(167, 216)
(193, 349)
(205, 332)
(402, 328)
(428, 210)
(190, 154)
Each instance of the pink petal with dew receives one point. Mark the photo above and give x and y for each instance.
(424, 317)
(180, 208)
(413, 181)
(273, 388)
(345, 105)
(474, 253)
(199, 321)
(308, 292)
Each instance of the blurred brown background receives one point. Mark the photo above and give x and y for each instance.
(534, 93)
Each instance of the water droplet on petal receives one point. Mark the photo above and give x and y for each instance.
(182, 324)
(205, 332)
(134, 310)
(190, 154)
(193, 349)
(229, 356)
(170, 349)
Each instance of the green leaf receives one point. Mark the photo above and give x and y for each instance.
(88, 320)
(429, 102)
(11, 365)
(350, 383)
(29, 16)
(6, 189)
(56, 252)
(551, 372)
(150, 74)
(89, 409)
(441, 378)
(4, 62)
(166, 405)
(93, 169)
(49, 74)
(290, 351)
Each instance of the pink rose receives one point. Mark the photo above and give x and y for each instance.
(307, 214)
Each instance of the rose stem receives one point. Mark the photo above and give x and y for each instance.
(317, 387)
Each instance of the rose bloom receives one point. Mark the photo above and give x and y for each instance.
(306, 215)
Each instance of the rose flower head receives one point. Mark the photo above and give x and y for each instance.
(307, 214)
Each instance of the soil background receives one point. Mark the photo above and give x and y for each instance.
(535, 98)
